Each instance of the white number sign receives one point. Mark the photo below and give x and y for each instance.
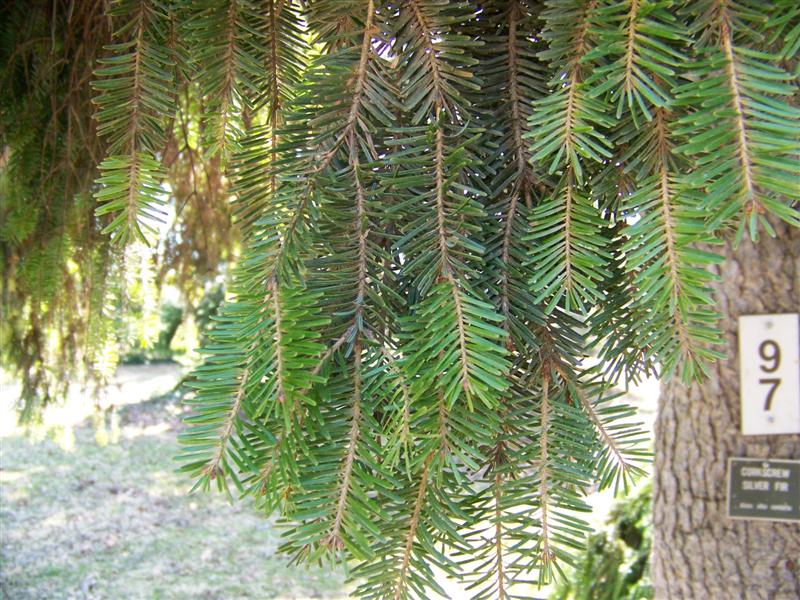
(769, 355)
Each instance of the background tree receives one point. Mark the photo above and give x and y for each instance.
(446, 207)
(72, 302)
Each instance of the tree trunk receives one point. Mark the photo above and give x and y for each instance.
(698, 552)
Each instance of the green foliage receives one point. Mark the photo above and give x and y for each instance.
(467, 203)
(170, 319)
(616, 564)
(222, 32)
(384, 375)
(446, 208)
(70, 302)
(131, 192)
(134, 101)
(208, 308)
(54, 265)
(748, 166)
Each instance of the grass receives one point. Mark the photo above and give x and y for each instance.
(81, 519)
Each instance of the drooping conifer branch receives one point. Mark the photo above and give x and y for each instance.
(226, 89)
(442, 230)
(568, 134)
(136, 94)
(502, 594)
(278, 340)
(546, 553)
(525, 177)
(411, 531)
(333, 538)
(749, 201)
(133, 103)
(438, 96)
(672, 258)
(630, 46)
(213, 469)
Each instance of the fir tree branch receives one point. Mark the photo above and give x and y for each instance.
(518, 121)
(277, 339)
(361, 72)
(580, 45)
(274, 105)
(672, 258)
(226, 89)
(439, 99)
(630, 47)
(624, 453)
(524, 174)
(343, 136)
(446, 268)
(568, 283)
(333, 539)
(131, 105)
(546, 554)
(607, 438)
(750, 201)
(338, 343)
(136, 93)
(361, 236)
(498, 537)
(567, 131)
(411, 533)
(274, 64)
(212, 469)
(567, 127)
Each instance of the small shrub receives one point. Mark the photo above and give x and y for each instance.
(616, 562)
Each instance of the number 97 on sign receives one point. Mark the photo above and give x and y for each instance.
(769, 367)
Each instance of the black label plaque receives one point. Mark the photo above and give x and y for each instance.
(760, 488)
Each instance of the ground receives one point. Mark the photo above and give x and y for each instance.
(100, 512)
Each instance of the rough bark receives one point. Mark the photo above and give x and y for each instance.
(699, 553)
